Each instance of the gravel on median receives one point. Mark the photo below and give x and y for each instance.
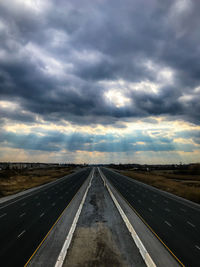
(101, 237)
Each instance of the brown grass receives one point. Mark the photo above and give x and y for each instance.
(14, 181)
(186, 186)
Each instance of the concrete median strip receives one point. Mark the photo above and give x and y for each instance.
(67, 242)
(147, 258)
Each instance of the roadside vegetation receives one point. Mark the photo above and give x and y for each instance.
(184, 183)
(14, 181)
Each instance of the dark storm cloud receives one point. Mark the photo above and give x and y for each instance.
(54, 56)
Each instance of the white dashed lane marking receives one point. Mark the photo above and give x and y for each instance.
(21, 233)
(197, 247)
(169, 224)
(3, 215)
(21, 215)
(191, 224)
(42, 214)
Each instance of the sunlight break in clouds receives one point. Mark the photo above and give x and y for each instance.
(115, 97)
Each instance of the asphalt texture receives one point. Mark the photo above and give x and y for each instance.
(176, 222)
(25, 222)
(101, 238)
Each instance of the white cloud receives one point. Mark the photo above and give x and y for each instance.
(117, 98)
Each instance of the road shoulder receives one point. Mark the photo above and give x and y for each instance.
(101, 237)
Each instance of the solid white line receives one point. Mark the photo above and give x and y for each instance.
(191, 224)
(147, 258)
(197, 247)
(169, 224)
(21, 215)
(21, 233)
(65, 247)
(4, 214)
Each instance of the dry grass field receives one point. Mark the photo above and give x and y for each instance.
(186, 184)
(14, 181)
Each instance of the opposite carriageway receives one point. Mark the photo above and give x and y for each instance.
(174, 220)
(26, 220)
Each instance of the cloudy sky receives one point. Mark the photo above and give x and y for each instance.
(100, 81)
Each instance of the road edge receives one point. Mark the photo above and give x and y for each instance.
(68, 239)
(51, 243)
(144, 253)
(7, 200)
(160, 255)
(179, 199)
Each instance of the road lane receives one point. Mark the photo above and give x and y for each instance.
(101, 237)
(25, 222)
(175, 222)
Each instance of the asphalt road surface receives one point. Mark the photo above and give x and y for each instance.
(101, 238)
(24, 222)
(176, 222)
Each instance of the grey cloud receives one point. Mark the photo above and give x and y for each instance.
(119, 37)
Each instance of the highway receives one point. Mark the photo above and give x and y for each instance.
(175, 221)
(25, 221)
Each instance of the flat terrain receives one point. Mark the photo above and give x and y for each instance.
(183, 184)
(14, 181)
(101, 238)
